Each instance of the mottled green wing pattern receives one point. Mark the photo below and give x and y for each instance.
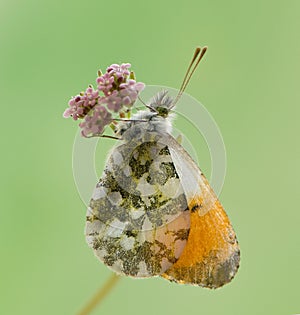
(137, 220)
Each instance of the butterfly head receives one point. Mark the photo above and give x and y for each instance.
(158, 118)
(161, 104)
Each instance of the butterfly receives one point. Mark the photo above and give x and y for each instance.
(153, 212)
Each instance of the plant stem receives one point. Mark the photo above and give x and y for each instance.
(100, 295)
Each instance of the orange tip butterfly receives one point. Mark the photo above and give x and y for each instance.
(153, 213)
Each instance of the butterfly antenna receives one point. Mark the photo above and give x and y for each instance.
(146, 105)
(142, 101)
(198, 55)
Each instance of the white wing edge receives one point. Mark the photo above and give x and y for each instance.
(193, 181)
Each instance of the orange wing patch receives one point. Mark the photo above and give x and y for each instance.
(211, 256)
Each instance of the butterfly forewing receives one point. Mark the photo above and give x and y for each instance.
(138, 220)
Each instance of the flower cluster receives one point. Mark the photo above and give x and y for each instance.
(116, 92)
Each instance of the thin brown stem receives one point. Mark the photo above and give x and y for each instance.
(110, 137)
(103, 136)
(136, 120)
(100, 295)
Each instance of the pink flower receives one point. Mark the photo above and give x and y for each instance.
(91, 97)
(105, 83)
(120, 71)
(95, 122)
(113, 101)
(81, 104)
(129, 91)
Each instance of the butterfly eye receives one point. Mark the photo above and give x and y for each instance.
(162, 111)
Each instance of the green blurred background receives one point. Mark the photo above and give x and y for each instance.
(249, 81)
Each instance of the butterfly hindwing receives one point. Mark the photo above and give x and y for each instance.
(138, 220)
